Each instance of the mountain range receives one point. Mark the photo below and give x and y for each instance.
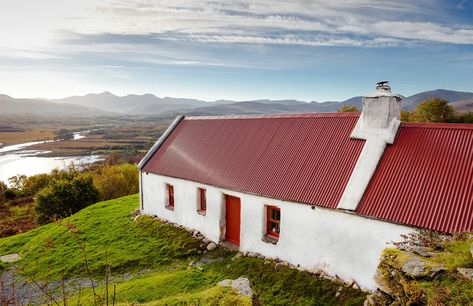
(109, 104)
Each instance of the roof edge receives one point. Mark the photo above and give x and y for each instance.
(295, 115)
(160, 142)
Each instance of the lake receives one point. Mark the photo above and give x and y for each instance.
(17, 159)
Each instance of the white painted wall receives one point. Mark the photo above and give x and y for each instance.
(334, 241)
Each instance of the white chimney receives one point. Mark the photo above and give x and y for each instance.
(380, 116)
(378, 125)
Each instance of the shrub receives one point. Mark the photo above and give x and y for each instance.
(3, 188)
(116, 181)
(33, 184)
(348, 108)
(62, 198)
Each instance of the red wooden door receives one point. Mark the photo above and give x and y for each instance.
(232, 217)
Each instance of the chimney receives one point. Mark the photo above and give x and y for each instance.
(378, 125)
(380, 115)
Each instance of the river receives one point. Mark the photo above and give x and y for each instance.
(17, 159)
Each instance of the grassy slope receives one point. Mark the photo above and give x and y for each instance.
(163, 252)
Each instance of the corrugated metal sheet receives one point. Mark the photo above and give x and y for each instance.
(425, 179)
(303, 158)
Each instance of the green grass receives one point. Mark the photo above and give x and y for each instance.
(162, 253)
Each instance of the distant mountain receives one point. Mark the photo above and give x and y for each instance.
(449, 95)
(132, 104)
(12, 106)
(150, 105)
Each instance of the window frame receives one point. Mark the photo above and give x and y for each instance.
(269, 220)
(170, 196)
(201, 199)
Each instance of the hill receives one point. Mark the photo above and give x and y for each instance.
(151, 263)
(12, 106)
(147, 104)
(150, 105)
(449, 95)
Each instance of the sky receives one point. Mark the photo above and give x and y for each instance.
(234, 49)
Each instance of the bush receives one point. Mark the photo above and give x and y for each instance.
(62, 198)
(35, 183)
(116, 181)
(3, 188)
(348, 108)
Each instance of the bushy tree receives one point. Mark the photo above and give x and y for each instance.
(466, 117)
(347, 108)
(33, 184)
(116, 181)
(434, 110)
(62, 198)
(407, 116)
(3, 188)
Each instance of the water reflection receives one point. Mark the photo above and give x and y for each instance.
(17, 160)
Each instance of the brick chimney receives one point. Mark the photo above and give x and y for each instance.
(381, 114)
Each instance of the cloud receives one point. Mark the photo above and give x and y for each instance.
(255, 21)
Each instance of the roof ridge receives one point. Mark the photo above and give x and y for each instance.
(270, 116)
(437, 125)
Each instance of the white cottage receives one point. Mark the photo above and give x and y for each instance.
(322, 190)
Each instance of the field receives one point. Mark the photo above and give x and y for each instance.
(132, 136)
(152, 263)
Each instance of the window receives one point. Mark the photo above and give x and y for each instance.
(273, 221)
(202, 200)
(170, 196)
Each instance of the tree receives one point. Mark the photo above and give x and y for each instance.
(62, 198)
(33, 184)
(407, 115)
(3, 188)
(116, 181)
(347, 108)
(434, 110)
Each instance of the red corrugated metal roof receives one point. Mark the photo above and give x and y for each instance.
(425, 178)
(304, 158)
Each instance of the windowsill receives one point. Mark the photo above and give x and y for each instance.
(202, 212)
(270, 239)
(169, 207)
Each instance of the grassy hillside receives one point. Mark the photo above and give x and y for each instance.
(150, 263)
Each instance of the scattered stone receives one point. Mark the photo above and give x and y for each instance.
(245, 253)
(211, 246)
(423, 251)
(467, 273)
(253, 254)
(10, 258)
(339, 290)
(414, 267)
(376, 299)
(237, 255)
(205, 240)
(241, 285)
(278, 265)
(260, 256)
(355, 286)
